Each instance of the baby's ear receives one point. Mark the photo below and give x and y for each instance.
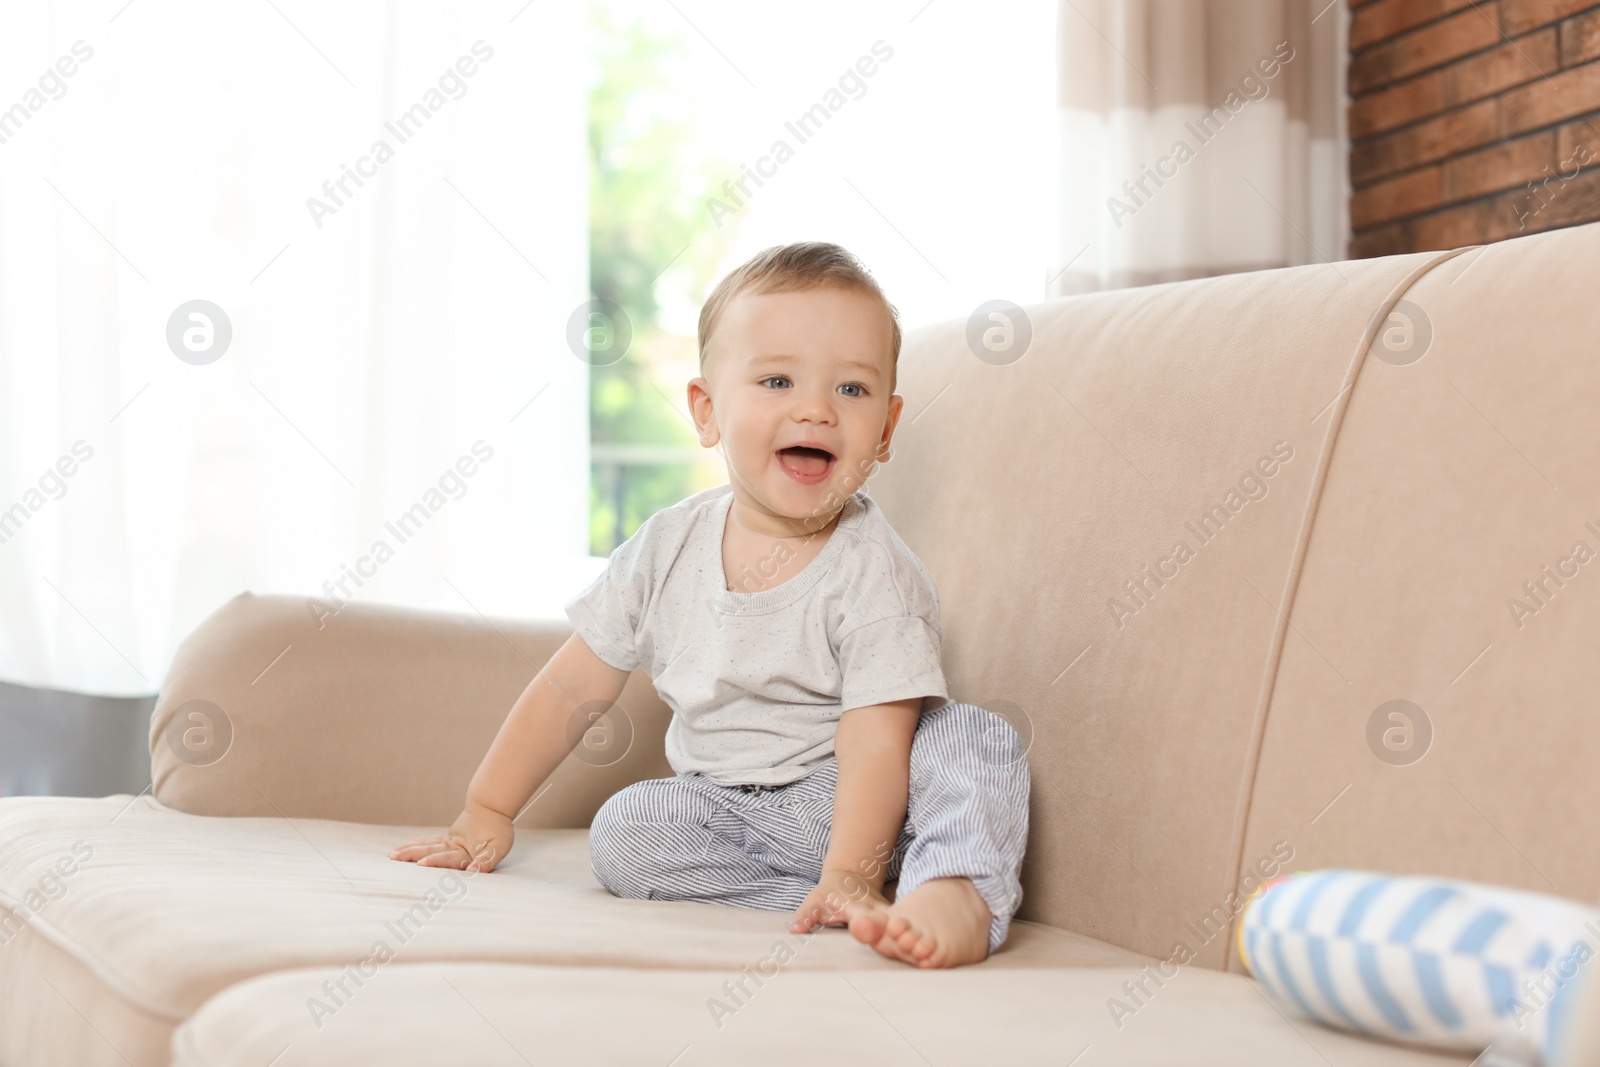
(700, 412)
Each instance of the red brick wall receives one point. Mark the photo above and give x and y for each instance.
(1471, 121)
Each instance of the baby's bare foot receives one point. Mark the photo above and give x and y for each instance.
(943, 923)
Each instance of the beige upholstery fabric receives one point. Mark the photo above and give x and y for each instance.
(1033, 491)
(171, 908)
(1457, 478)
(1171, 750)
(57, 1011)
(482, 1013)
(381, 715)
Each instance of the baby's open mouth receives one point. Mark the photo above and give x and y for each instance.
(805, 464)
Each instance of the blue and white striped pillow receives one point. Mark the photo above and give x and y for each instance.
(1431, 961)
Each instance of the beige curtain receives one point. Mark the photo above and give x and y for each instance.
(1198, 137)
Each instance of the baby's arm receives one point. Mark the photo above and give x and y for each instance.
(873, 747)
(531, 744)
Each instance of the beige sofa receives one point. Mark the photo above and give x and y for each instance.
(1219, 718)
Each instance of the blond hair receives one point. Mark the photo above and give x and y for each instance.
(785, 268)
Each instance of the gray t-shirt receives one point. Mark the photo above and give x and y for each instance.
(757, 681)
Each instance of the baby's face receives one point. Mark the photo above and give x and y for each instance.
(798, 368)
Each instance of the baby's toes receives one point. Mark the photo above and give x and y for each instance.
(916, 946)
(851, 908)
(892, 947)
(881, 943)
(866, 924)
(888, 949)
(891, 933)
(899, 926)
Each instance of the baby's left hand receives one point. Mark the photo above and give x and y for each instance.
(838, 895)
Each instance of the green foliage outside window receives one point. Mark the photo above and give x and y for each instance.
(648, 226)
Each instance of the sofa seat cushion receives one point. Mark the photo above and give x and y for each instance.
(162, 910)
(426, 1014)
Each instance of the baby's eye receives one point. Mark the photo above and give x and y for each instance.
(855, 385)
(774, 378)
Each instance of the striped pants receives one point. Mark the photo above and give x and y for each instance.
(688, 838)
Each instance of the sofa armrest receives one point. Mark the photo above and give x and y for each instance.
(377, 714)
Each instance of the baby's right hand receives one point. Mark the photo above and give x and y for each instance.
(477, 841)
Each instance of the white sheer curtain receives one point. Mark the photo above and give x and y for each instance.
(375, 340)
(1254, 90)
(937, 168)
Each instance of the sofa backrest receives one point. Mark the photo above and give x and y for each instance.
(1357, 523)
(1455, 565)
(1193, 537)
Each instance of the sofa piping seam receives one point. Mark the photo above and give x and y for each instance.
(1269, 679)
(84, 959)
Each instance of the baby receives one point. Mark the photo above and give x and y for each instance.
(796, 639)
